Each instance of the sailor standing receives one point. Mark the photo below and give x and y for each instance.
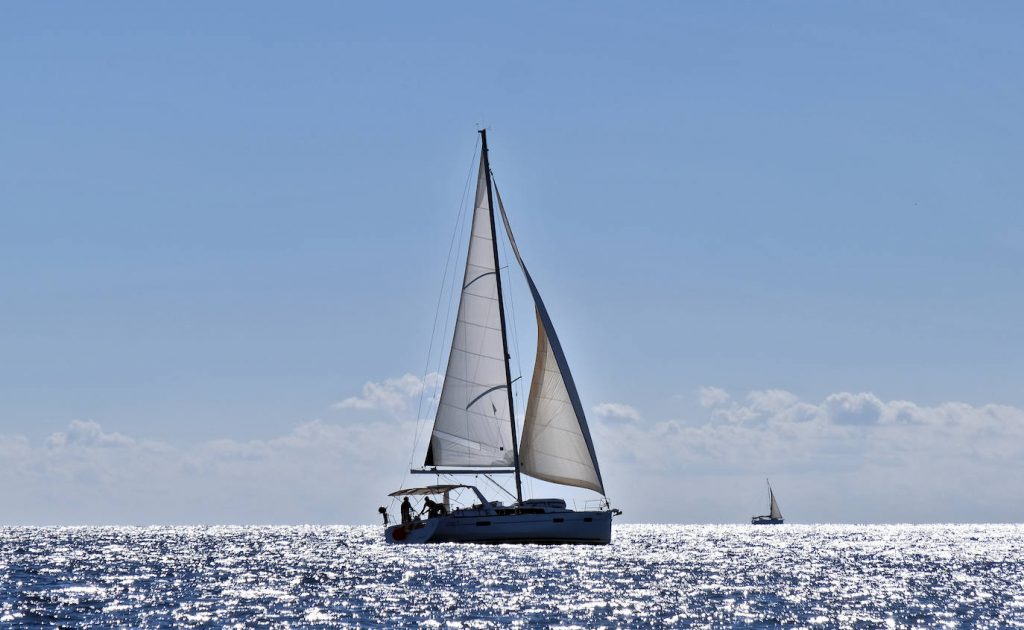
(406, 511)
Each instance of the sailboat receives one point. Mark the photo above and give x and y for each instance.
(474, 431)
(774, 516)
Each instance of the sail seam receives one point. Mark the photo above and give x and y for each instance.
(468, 323)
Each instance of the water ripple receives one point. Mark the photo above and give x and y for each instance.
(651, 576)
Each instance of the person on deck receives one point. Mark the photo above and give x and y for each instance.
(432, 508)
(406, 511)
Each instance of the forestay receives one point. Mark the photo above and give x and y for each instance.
(556, 444)
(473, 423)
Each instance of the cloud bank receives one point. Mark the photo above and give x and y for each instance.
(850, 457)
(393, 394)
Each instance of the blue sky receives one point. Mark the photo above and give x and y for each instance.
(218, 221)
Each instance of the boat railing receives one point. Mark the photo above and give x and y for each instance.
(591, 505)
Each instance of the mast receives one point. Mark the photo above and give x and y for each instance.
(501, 314)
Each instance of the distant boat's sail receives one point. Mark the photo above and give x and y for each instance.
(775, 512)
(556, 444)
(473, 423)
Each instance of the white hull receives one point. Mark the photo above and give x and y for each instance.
(475, 526)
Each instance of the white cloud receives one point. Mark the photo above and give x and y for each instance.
(858, 409)
(394, 394)
(713, 396)
(319, 471)
(851, 457)
(848, 457)
(771, 400)
(616, 410)
(87, 433)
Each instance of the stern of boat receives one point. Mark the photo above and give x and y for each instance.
(414, 533)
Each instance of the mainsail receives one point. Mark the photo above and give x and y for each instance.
(473, 424)
(556, 444)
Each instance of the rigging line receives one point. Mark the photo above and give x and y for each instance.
(451, 290)
(491, 479)
(488, 479)
(453, 265)
(437, 310)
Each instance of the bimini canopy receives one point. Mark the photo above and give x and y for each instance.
(441, 489)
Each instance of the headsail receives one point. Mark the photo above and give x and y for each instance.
(556, 444)
(473, 422)
(774, 512)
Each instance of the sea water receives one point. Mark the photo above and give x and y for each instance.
(650, 576)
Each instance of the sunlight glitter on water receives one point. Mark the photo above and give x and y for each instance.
(651, 576)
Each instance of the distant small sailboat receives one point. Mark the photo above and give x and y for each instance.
(774, 516)
(474, 430)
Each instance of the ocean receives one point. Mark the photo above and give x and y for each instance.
(922, 576)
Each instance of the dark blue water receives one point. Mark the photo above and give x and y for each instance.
(652, 576)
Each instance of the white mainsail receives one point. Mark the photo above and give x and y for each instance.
(473, 424)
(556, 444)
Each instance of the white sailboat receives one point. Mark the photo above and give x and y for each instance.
(774, 515)
(474, 431)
